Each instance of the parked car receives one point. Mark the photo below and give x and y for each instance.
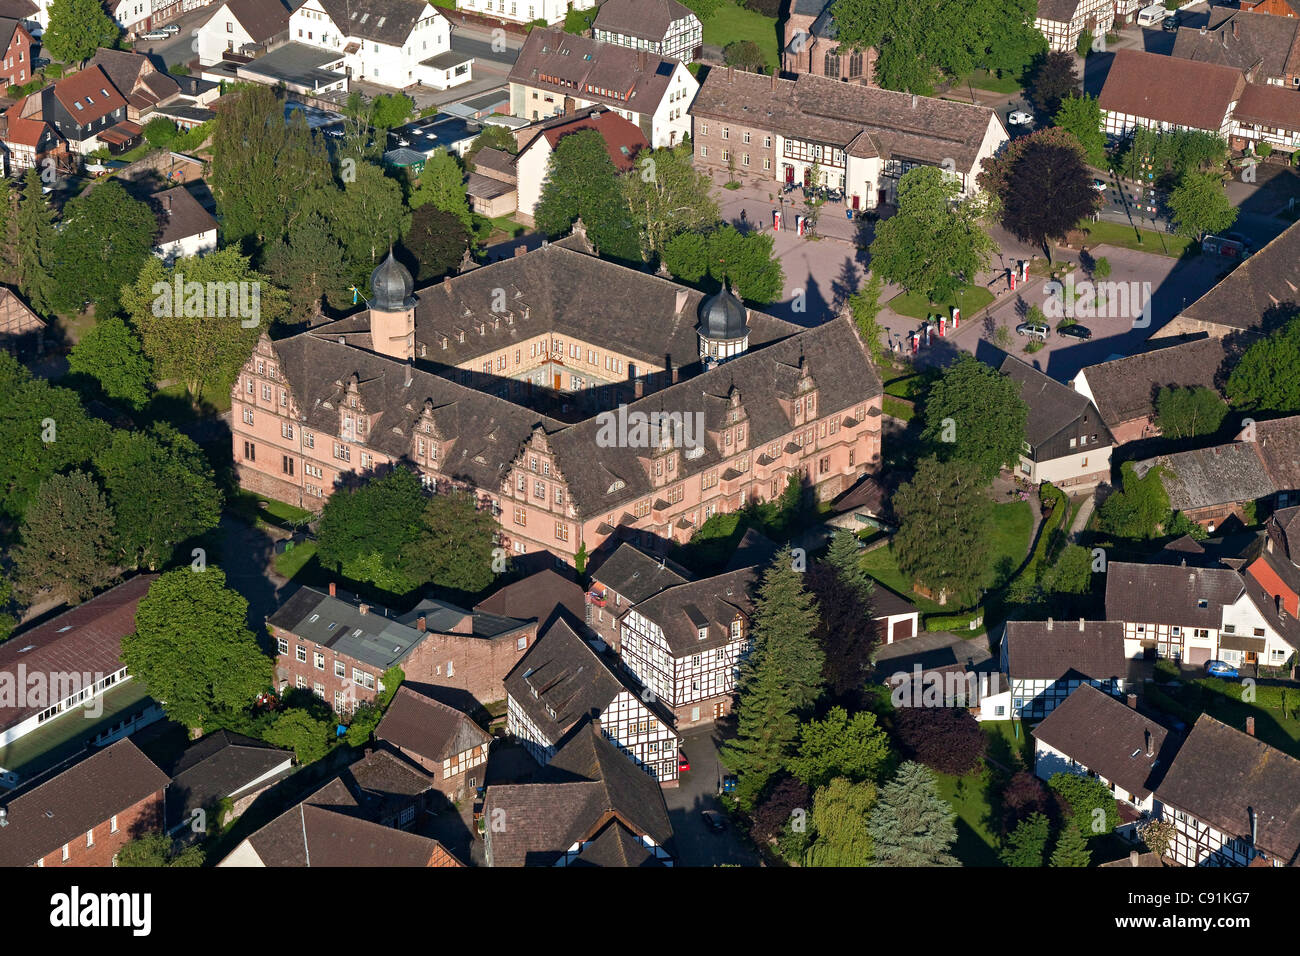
(1099, 185)
(1170, 23)
(683, 764)
(1020, 118)
(714, 820)
(1033, 330)
(1220, 669)
(154, 35)
(171, 29)
(1075, 331)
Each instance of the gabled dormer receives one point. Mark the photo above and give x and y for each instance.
(802, 402)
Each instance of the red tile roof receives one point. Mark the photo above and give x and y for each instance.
(93, 90)
(21, 131)
(1171, 90)
(622, 139)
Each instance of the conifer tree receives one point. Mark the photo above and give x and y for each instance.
(911, 825)
(1071, 848)
(34, 245)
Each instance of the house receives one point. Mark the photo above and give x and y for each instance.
(443, 741)
(22, 331)
(1152, 91)
(627, 576)
(1066, 442)
(243, 27)
(1198, 614)
(525, 11)
(623, 141)
(329, 828)
(470, 374)
(543, 596)
(394, 43)
(135, 76)
(1266, 114)
(564, 680)
(1047, 661)
(15, 53)
(665, 28)
(391, 790)
(1257, 296)
(767, 130)
(218, 767)
(1265, 48)
(558, 73)
(1124, 390)
(1062, 22)
(493, 183)
(1274, 8)
(86, 110)
(686, 643)
(83, 814)
(28, 140)
(185, 227)
(65, 678)
(1231, 799)
(133, 16)
(1092, 734)
(896, 617)
(1210, 485)
(592, 807)
(810, 44)
(339, 648)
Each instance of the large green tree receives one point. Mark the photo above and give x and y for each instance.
(302, 732)
(1071, 848)
(366, 218)
(437, 240)
(310, 267)
(666, 195)
(910, 824)
(1267, 379)
(34, 245)
(1081, 116)
(1135, 512)
(840, 746)
(1027, 843)
(945, 521)
(192, 647)
(1052, 79)
(104, 238)
(582, 181)
(442, 185)
(111, 354)
(66, 539)
(974, 414)
(1090, 804)
(745, 260)
(839, 816)
(1189, 412)
(1200, 206)
(78, 28)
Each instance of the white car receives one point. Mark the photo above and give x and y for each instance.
(154, 35)
(171, 29)
(1020, 118)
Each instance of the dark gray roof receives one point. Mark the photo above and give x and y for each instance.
(446, 60)
(1221, 776)
(221, 764)
(712, 602)
(1125, 389)
(373, 637)
(616, 846)
(1109, 738)
(635, 575)
(1240, 39)
(548, 55)
(262, 19)
(538, 597)
(382, 21)
(1260, 293)
(723, 317)
(1053, 407)
(1217, 475)
(180, 215)
(1168, 594)
(1060, 11)
(1048, 650)
(646, 19)
(421, 725)
(383, 783)
(391, 286)
(497, 160)
(1279, 447)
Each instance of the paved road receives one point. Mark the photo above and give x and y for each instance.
(697, 845)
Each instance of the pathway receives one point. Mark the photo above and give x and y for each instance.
(1081, 518)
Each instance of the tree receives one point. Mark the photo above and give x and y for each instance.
(200, 317)
(110, 353)
(455, 545)
(943, 539)
(307, 736)
(77, 29)
(865, 306)
(946, 739)
(1027, 844)
(192, 648)
(686, 256)
(1157, 834)
(1090, 804)
(703, 8)
(442, 185)
(840, 746)
(437, 241)
(1071, 849)
(1083, 45)
(8, 201)
(974, 414)
(66, 539)
(1267, 379)
(1071, 573)
(666, 195)
(370, 533)
(1189, 412)
(1081, 116)
(934, 243)
(157, 850)
(582, 182)
(8, 620)
(162, 492)
(847, 633)
(1135, 513)
(105, 236)
(494, 137)
(391, 110)
(309, 266)
(787, 800)
(745, 260)
(367, 218)
(1199, 205)
(1052, 81)
(744, 54)
(1043, 186)
(1024, 796)
(840, 811)
(910, 824)
(34, 245)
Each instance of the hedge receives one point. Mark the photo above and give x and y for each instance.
(955, 622)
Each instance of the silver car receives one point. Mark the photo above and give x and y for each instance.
(1033, 330)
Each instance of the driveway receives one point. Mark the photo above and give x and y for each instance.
(697, 845)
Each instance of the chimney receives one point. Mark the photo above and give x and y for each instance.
(1050, 622)
(1133, 857)
(406, 382)
(731, 74)
(1133, 701)
(774, 81)
(333, 589)
(672, 373)
(1234, 28)
(421, 624)
(1254, 825)
(641, 60)
(913, 101)
(364, 609)
(520, 250)
(1250, 726)
(638, 389)
(1151, 751)
(1080, 624)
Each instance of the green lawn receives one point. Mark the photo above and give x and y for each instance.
(976, 843)
(730, 23)
(295, 559)
(882, 566)
(1143, 240)
(916, 305)
(984, 80)
(260, 508)
(892, 406)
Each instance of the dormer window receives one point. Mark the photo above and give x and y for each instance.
(618, 485)
(704, 633)
(1202, 603)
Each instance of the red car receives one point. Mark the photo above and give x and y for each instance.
(683, 764)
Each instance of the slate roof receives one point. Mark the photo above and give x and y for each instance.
(587, 780)
(549, 56)
(61, 808)
(84, 639)
(1035, 652)
(1053, 407)
(1279, 447)
(332, 622)
(383, 783)
(497, 160)
(1124, 389)
(616, 846)
(646, 19)
(536, 598)
(1221, 775)
(380, 21)
(709, 602)
(180, 215)
(1170, 89)
(1169, 594)
(426, 727)
(1262, 290)
(221, 764)
(635, 575)
(1060, 11)
(1110, 738)
(1242, 40)
(1204, 477)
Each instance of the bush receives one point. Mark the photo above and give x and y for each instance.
(962, 621)
(946, 739)
(768, 8)
(1166, 670)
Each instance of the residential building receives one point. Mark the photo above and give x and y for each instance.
(28, 140)
(394, 43)
(565, 679)
(1124, 390)
(558, 74)
(135, 76)
(1092, 734)
(1267, 114)
(1066, 442)
(810, 44)
(766, 130)
(525, 11)
(391, 790)
(626, 577)
(1275, 8)
(460, 375)
(443, 741)
(1231, 799)
(1062, 22)
(665, 28)
(1211, 485)
(221, 766)
(86, 110)
(340, 648)
(329, 829)
(185, 228)
(84, 814)
(78, 691)
(1265, 48)
(896, 617)
(1153, 91)
(242, 27)
(22, 331)
(15, 53)
(591, 807)
(1047, 661)
(493, 183)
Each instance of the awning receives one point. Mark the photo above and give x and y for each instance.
(1241, 642)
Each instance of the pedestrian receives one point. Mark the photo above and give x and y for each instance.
(742, 214)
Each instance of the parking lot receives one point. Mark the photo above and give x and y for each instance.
(697, 845)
